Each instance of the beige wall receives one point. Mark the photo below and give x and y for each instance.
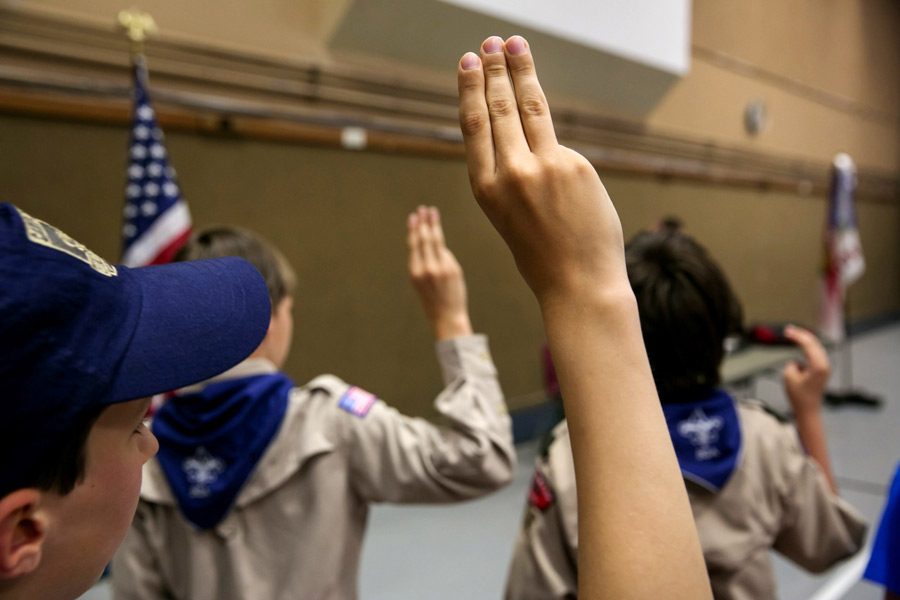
(829, 70)
(849, 48)
(709, 104)
(339, 216)
(266, 27)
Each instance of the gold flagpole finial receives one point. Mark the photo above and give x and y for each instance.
(138, 26)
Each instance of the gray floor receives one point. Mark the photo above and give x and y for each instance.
(461, 551)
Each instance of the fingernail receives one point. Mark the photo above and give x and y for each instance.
(516, 45)
(493, 44)
(470, 61)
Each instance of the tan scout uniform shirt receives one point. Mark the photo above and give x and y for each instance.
(777, 498)
(297, 527)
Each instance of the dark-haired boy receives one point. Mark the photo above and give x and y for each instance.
(751, 485)
(83, 344)
(262, 488)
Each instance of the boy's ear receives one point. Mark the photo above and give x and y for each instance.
(23, 529)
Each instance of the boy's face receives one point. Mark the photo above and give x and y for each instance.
(88, 524)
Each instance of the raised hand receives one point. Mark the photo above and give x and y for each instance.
(805, 381)
(635, 530)
(545, 200)
(436, 275)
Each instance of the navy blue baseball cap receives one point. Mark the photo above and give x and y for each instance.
(78, 334)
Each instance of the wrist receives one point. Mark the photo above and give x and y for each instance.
(606, 321)
(596, 302)
(808, 415)
(452, 326)
(806, 405)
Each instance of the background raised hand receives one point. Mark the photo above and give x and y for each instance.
(436, 275)
(804, 382)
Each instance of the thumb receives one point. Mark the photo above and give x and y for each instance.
(792, 371)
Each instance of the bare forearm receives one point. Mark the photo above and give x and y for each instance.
(811, 430)
(619, 440)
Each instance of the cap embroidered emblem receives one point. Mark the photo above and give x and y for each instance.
(47, 235)
(703, 432)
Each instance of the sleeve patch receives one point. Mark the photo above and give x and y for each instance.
(357, 402)
(541, 495)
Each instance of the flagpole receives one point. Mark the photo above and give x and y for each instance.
(156, 218)
(138, 27)
(847, 394)
(848, 351)
(846, 265)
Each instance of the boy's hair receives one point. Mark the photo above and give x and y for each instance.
(219, 242)
(687, 309)
(62, 470)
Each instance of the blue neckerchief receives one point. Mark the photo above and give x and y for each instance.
(882, 567)
(211, 440)
(707, 438)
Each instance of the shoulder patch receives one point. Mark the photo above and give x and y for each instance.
(540, 495)
(357, 401)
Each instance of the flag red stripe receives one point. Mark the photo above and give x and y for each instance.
(168, 252)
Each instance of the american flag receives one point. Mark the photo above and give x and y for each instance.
(844, 261)
(156, 218)
(357, 401)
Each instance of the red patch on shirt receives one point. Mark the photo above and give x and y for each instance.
(540, 496)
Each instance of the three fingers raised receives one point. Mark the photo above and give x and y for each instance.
(503, 111)
(425, 239)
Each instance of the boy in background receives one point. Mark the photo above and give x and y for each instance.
(261, 488)
(83, 344)
(751, 485)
